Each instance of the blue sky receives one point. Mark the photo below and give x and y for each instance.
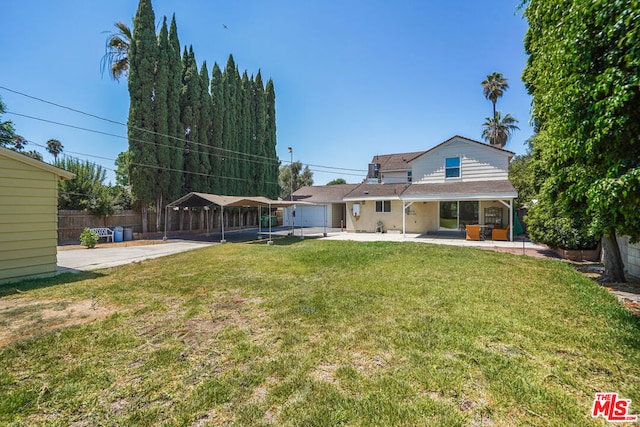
(353, 78)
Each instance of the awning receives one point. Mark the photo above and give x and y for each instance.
(202, 200)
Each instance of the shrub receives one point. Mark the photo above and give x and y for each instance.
(546, 225)
(89, 238)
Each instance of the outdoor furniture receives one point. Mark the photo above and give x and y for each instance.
(105, 232)
(500, 233)
(474, 232)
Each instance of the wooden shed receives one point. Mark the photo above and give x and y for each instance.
(28, 216)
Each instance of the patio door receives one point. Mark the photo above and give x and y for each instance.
(454, 214)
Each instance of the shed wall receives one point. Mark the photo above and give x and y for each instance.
(28, 220)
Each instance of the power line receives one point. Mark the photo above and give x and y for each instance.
(269, 159)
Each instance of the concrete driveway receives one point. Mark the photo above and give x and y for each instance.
(105, 257)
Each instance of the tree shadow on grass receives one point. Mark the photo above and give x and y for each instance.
(45, 282)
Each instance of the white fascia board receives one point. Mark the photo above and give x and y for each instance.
(461, 197)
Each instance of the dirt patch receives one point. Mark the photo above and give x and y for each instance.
(23, 319)
(628, 293)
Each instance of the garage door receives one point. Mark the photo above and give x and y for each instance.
(310, 216)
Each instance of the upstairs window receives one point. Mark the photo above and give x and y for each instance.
(452, 167)
(409, 177)
(383, 206)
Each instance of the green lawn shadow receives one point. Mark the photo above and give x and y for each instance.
(46, 282)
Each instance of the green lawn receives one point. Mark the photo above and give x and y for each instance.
(317, 333)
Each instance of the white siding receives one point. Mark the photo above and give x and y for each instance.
(394, 177)
(478, 163)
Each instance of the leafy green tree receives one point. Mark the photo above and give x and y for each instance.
(7, 131)
(337, 181)
(497, 129)
(301, 178)
(142, 66)
(116, 55)
(583, 72)
(494, 87)
(123, 162)
(87, 191)
(521, 174)
(54, 147)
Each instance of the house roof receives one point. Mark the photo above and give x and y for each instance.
(60, 173)
(324, 193)
(199, 200)
(397, 161)
(461, 190)
(366, 191)
(511, 153)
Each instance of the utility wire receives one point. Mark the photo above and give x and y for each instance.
(269, 159)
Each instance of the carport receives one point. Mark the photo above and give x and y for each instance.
(206, 201)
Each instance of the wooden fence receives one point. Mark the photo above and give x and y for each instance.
(71, 223)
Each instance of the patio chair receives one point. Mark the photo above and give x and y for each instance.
(473, 232)
(500, 233)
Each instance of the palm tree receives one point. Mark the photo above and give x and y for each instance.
(494, 87)
(497, 129)
(116, 55)
(54, 147)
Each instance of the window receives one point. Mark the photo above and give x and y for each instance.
(455, 214)
(452, 167)
(409, 176)
(383, 206)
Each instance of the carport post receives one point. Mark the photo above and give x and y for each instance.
(259, 222)
(166, 220)
(270, 241)
(222, 220)
(301, 226)
(325, 221)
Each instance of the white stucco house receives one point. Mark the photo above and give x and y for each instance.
(457, 182)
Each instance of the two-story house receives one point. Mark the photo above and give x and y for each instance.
(455, 183)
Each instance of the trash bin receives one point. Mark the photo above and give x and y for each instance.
(117, 234)
(274, 220)
(264, 222)
(128, 234)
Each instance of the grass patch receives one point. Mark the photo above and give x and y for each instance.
(319, 333)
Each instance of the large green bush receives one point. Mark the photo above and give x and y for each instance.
(546, 225)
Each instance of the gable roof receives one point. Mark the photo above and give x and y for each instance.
(397, 161)
(13, 155)
(367, 191)
(323, 193)
(510, 153)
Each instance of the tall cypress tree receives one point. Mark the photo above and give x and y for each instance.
(217, 107)
(205, 131)
(190, 118)
(244, 130)
(142, 65)
(260, 166)
(229, 128)
(271, 173)
(174, 124)
(161, 117)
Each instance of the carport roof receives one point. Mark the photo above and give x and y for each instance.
(198, 200)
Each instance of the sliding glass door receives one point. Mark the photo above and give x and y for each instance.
(455, 214)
